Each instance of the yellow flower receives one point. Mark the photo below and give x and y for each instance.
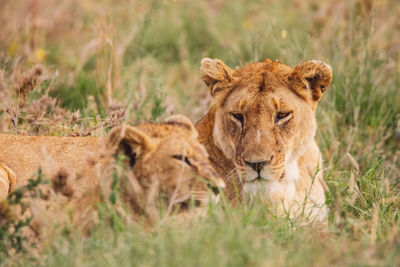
(12, 49)
(247, 24)
(283, 34)
(40, 54)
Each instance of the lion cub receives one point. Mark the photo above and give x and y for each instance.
(167, 154)
(165, 161)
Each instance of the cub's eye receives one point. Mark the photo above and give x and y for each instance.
(283, 116)
(182, 158)
(238, 117)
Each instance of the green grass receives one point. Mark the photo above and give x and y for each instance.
(150, 52)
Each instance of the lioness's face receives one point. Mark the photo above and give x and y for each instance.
(170, 156)
(265, 115)
(266, 127)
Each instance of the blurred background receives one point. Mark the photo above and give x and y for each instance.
(80, 67)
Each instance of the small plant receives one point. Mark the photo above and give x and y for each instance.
(158, 97)
(15, 218)
(152, 104)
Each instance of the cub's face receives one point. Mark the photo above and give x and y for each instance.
(181, 165)
(265, 115)
(168, 155)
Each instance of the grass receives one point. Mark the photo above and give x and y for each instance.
(107, 62)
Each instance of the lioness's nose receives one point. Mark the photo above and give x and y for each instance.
(257, 166)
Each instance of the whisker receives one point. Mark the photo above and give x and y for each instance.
(234, 176)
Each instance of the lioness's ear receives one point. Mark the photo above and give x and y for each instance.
(310, 80)
(215, 74)
(182, 121)
(130, 140)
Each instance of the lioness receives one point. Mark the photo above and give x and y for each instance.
(168, 153)
(262, 128)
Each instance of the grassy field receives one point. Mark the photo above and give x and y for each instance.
(80, 67)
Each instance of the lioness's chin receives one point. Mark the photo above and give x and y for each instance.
(261, 187)
(256, 188)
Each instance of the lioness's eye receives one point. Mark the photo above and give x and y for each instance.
(238, 117)
(281, 116)
(182, 158)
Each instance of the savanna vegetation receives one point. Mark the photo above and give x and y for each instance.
(78, 68)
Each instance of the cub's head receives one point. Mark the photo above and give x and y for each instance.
(170, 155)
(264, 114)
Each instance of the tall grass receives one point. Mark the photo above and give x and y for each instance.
(142, 57)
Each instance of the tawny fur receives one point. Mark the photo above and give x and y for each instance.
(80, 156)
(265, 112)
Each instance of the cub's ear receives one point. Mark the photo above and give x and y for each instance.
(182, 121)
(310, 80)
(130, 140)
(215, 74)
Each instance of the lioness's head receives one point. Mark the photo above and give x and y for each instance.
(264, 114)
(170, 155)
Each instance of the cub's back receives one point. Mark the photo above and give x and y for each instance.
(25, 154)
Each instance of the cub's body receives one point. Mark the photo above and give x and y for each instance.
(24, 155)
(168, 154)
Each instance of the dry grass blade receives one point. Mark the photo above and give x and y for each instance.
(353, 162)
(374, 227)
(144, 199)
